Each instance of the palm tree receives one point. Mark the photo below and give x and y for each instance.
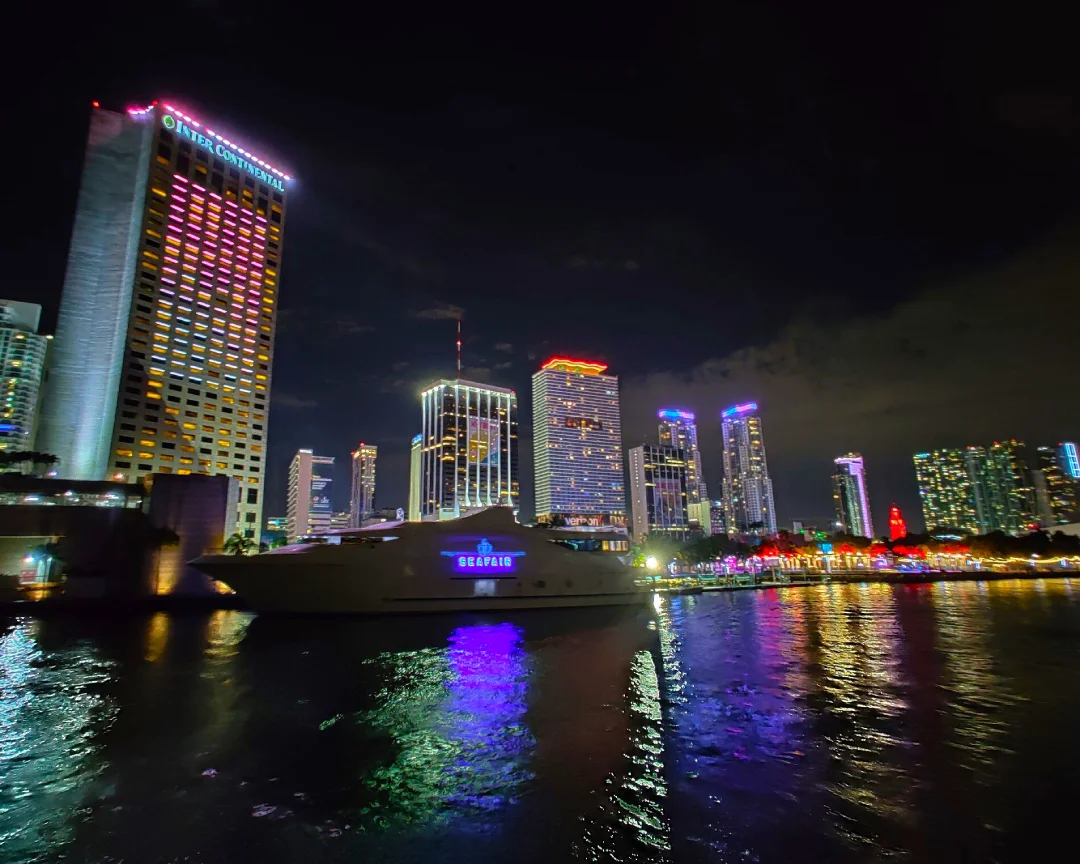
(238, 544)
(278, 542)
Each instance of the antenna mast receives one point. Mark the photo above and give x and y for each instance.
(459, 348)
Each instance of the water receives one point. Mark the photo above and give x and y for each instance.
(842, 723)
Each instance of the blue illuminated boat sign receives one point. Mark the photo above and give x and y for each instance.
(485, 560)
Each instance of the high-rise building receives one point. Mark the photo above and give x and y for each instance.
(978, 490)
(415, 473)
(1068, 459)
(946, 490)
(22, 365)
(577, 444)
(748, 492)
(165, 338)
(659, 491)
(309, 505)
(701, 516)
(468, 448)
(678, 429)
(1056, 492)
(362, 500)
(897, 525)
(716, 517)
(1010, 481)
(850, 498)
(342, 520)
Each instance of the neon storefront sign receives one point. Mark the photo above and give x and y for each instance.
(183, 130)
(485, 560)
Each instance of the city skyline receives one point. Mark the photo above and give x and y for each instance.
(369, 274)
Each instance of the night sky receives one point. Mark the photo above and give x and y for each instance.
(863, 217)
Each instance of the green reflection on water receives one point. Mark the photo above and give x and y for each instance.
(50, 755)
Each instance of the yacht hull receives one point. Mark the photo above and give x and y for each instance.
(483, 562)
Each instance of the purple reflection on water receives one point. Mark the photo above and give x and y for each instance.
(485, 713)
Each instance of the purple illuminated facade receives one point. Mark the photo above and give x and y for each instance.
(165, 338)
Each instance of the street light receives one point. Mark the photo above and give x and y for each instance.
(650, 562)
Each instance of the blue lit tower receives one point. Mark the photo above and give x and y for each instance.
(748, 492)
(165, 339)
(1068, 459)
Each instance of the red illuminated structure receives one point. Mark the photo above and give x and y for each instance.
(897, 525)
(579, 367)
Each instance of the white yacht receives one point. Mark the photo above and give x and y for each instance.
(484, 561)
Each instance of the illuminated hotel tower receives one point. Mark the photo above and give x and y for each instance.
(748, 492)
(165, 337)
(577, 444)
(850, 498)
(362, 501)
(469, 448)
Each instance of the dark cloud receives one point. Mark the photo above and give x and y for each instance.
(440, 312)
(504, 346)
(950, 367)
(280, 399)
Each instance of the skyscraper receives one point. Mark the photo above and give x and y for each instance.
(716, 517)
(748, 492)
(577, 443)
(22, 365)
(946, 490)
(415, 473)
(1056, 491)
(468, 448)
(1068, 459)
(362, 500)
(678, 429)
(659, 491)
(850, 498)
(309, 505)
(165, 337)
(1010, 482)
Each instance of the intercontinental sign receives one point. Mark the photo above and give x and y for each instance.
(220, 150)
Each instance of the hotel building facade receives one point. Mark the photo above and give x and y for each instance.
(165, 339)
(577, 444)
(468, 448)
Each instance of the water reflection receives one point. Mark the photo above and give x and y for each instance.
(846, 723)
(863, 722)
(455, 718)
(52, 712)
